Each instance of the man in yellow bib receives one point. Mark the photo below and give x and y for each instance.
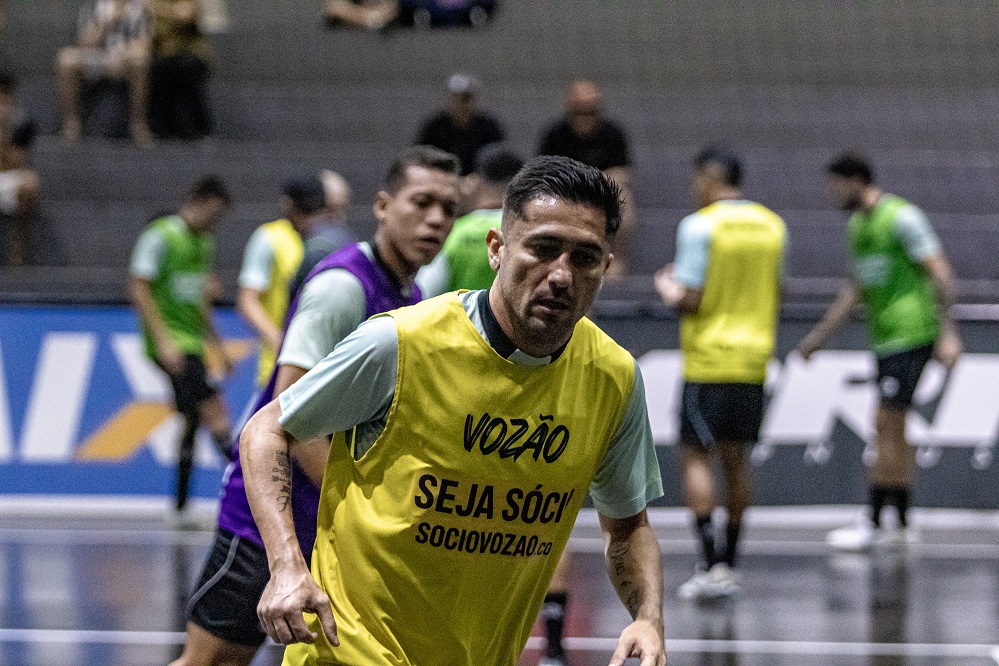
(467, 430)
(725, 283)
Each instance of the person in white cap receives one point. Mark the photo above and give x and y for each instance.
(461, 127)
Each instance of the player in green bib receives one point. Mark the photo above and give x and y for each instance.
(170, 268)
(485, 417)
(899, 272)
(463, 262)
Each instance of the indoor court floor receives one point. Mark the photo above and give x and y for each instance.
(101, 591)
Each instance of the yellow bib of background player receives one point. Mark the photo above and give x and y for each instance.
(733, 334)
(288, 253)
(437, 546)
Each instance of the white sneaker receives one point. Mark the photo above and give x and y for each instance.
(716, 583)
(854, 538)
(696, 587)
(725, 581)
(900, 537)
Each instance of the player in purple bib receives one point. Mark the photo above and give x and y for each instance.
(415, 211)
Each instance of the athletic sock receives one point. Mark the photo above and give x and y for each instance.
(553, 612)
(731, 543)
(879, 496)
(185, 461)
(900, 498)
(706, 530)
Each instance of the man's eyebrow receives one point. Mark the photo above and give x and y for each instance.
(561, 240)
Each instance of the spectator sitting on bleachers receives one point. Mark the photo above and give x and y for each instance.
(113, 41)
(461, 128)
(178, 76)
(585, 134)
(19, 184)
(368, 14)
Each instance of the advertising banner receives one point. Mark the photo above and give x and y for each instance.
(84, 412)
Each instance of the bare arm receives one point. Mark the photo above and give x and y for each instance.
(168, 354)
(845, 301)
(311, 455)
(635, 569)
(685, 299)
(249, 305)
(949, 346)
(264, 452)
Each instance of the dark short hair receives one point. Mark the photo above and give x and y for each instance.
(851, 165)
(496, 164)
(8, 82)
(563, 178)
(306, 193)
(209, 187)
(427, 157)
(731, 168)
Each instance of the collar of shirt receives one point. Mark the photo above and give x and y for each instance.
(405, 290)
(501, 343)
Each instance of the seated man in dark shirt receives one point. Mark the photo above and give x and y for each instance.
(461, 128)
(19, 184)
(585, 134)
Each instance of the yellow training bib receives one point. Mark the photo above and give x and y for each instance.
(437, 546)
(733, 333)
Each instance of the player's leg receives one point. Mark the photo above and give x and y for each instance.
(187, 393)
(890, 477)
(894, 466)
(136, 73)
(28, 194)
(553, 612)
(740, 426)
(215, 417)
(185, 460)
(697, 440)
(203, 649)
(222, 628)
(735, 466)
(69, 73)
(210, 407)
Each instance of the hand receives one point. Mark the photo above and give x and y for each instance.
(641, 639)
(171, 358)
(227, 365)
(289, 594)
(807, 347)
(669, 289)
(948, 349)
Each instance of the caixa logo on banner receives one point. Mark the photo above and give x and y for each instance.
(956, 410)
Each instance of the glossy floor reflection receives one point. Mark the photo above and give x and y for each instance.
(92, 592)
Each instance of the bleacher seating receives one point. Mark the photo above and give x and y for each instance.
(786, 83)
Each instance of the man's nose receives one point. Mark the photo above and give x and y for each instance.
(560, 272)
(436, 216)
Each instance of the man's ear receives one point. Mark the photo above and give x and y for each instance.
(494, 244)
(382, 200)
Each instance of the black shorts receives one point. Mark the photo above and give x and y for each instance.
(899, 373)
(712, 413)
(191, 386)
(225, 601)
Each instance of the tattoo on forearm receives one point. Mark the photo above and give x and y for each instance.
(620, 568)
(281, 475)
